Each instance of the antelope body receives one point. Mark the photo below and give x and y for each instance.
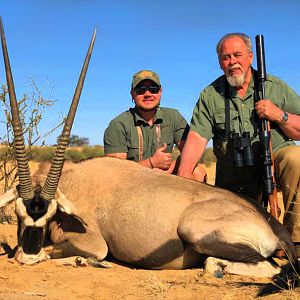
(153, 220)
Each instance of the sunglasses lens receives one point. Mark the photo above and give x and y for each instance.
(153, 89)
(142, 89)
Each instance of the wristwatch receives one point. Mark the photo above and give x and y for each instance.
(284, 118)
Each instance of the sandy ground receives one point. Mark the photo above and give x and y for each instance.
(50, 281)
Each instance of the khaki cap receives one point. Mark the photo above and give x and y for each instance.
(143, 75)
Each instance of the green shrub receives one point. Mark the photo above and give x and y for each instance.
(74, 155)
(42, 153)
(5, 152)
(90, 152)
(208, 157)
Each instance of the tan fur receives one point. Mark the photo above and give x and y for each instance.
(138, 211)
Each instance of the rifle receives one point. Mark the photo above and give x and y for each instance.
(269, 187)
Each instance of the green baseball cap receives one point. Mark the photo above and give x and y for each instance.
(143, 75)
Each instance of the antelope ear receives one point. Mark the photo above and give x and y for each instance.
(67, 206)
(8, 197)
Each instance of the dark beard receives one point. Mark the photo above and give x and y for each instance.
(147, 110)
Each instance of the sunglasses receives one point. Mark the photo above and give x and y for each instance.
(141, 90)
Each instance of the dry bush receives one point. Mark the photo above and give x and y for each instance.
(208, 157)
(31, 111)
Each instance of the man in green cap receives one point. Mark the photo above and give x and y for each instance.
(147, 133)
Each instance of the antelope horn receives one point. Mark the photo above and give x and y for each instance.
(26, 189)
(52, 180)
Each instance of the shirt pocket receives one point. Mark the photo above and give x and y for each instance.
(220, 121)
(132, 148)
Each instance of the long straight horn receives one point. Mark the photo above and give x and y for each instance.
(26, 189)
(52, 180)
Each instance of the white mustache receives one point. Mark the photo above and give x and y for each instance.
(235, 66)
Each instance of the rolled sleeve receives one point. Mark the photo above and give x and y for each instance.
(201, 121)
(181, 128)
(292, 101)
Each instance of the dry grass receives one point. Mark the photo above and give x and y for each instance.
(153, 285)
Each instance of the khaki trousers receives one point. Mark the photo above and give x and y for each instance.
(287, 173)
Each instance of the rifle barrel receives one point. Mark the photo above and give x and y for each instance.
(260, 54)
(265, 134)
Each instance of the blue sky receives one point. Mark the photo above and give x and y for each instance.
(47, 41)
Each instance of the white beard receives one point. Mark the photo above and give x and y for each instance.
(236, 80)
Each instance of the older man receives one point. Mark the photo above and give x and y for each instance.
(242, 116)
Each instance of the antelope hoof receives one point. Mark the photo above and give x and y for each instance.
(94, 262)
(213, 268)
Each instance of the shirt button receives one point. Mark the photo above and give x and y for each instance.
(243, 104)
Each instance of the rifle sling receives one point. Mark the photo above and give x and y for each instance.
(141, 141)
(227, 112)
(140, 135)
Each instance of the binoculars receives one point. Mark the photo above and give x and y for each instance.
(242, 150)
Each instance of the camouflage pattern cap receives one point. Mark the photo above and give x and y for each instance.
(142, 75)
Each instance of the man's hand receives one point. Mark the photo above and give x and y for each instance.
(161, 159)
(268, 110)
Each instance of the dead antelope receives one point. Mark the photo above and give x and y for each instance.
(141, 217)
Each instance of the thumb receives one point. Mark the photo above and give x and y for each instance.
(163, 148)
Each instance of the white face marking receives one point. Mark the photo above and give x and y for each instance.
(30, 259)
(28, 221)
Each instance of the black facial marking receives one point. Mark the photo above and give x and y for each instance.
(36, 207)
(32, 240)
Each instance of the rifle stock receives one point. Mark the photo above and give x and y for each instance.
(269, 187)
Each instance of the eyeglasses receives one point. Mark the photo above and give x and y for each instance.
(141, 90)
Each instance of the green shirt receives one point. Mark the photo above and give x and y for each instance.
(208, 120)
(121, 135)
(209, 113)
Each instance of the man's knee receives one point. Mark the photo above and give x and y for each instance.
(294, 158)
(288, 157)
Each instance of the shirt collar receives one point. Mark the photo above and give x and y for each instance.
(157, 117)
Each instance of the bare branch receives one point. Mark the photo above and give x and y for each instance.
(32, 109)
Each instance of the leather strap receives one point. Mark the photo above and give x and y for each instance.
(140, 137)
(158, 136)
